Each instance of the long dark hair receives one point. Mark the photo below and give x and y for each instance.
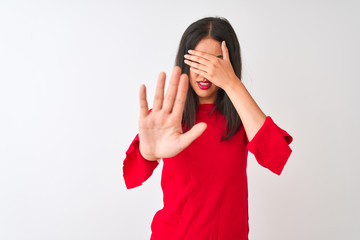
(218, 29)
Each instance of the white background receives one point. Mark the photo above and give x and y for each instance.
(70, 73)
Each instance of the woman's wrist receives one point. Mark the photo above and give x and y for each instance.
(147, 157)
(233, 83)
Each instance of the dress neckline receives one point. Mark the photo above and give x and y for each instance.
(206, 107)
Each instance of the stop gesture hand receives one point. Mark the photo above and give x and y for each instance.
(160, 130)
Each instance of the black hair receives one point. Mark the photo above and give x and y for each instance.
(219, 29)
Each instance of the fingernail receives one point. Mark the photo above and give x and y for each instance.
(190, 51)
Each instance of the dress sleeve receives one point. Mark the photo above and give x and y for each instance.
(136, 169)
(270, 146)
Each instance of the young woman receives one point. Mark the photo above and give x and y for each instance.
(203, 128)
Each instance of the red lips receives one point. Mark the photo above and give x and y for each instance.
(204, 84)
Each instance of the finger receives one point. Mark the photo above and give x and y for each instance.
(225, 51)
(204, 55)
(200, 72)
(172, 89)
(187, 138)
(195, 65)
(197, 59)
(159, 94)
(144, 110)
(181, 96)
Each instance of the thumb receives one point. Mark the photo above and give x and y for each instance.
(187, 138)
(225, 51)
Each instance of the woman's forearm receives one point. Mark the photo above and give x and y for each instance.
(250, 114)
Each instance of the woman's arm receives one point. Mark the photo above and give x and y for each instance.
(250, 113)
(268, 142)
(221, 73)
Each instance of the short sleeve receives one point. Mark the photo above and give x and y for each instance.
(136, 169)
(270, 146)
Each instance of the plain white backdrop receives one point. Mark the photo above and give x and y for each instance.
(70, 73)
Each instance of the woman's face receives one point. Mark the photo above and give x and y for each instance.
(205, 90)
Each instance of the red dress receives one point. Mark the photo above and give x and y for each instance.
(205, 189)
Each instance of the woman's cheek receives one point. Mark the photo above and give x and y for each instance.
(192, 77)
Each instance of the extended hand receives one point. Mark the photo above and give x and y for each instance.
(160, 130)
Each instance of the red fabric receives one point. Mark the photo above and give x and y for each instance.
(205, 186)
(136, 169)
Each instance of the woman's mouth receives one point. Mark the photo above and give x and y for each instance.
(204, 85)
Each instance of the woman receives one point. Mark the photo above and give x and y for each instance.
(203, 128)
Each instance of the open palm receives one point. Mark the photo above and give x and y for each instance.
(160, 130)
